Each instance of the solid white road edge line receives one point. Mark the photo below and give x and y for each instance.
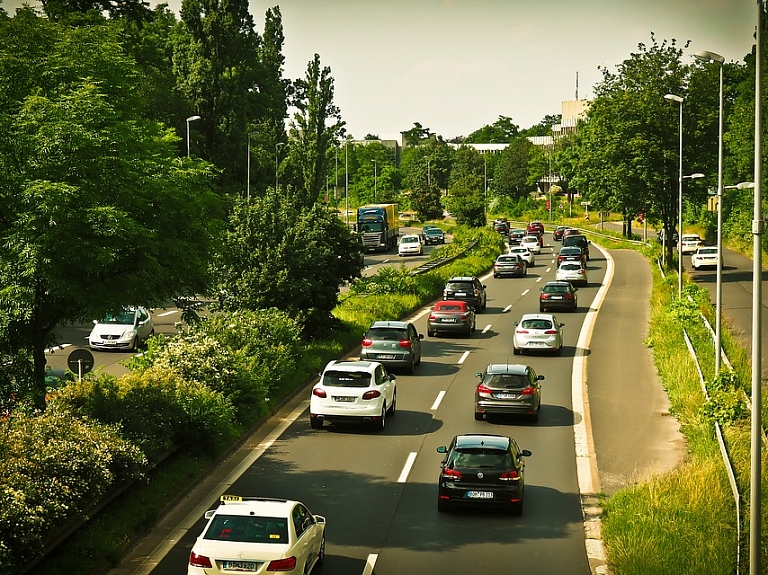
(173, 311)
(463, 358)
(57, 347)
(586, 463)
(370, 563)
(407, 467)
(439, 398)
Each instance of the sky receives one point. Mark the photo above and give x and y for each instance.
(454, 66)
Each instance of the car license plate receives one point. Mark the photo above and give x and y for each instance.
(344, 398)
(557, 297)
(460, 294)
(238, 565)
(506, 396)
(449, 319)
(480, 494)
(385, 356)
(110, 342)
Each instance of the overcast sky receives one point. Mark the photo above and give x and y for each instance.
(456, 65)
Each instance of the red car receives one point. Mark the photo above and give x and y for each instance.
(536, 227)
(451, 316)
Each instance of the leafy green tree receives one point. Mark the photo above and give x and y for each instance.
(467, 201)
(96, 210)
(544, 127)
(502, 130)
(217, 67)
(315, 128)
(277, 254)
(63, 10)
(512, 177)
(416, 135)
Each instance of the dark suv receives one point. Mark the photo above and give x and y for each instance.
(468, 289)
(393, 344)
(482, 469)
(578, 240)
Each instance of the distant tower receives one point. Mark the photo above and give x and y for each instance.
(577, 84)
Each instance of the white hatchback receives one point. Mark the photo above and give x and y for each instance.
(126, 329)
(353, 391)
(572, 271)
(410, 245)
(258, 535)
(689, 243)
(538, 332)
(524, 253)
(708, 256)
(532, 243)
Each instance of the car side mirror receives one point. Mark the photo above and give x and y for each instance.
(539, 378)
(525, 453)
(479, 375)
(392, 377)
(95, 321)
(209, 513)
(561, 324)
(421, 336)
(442, 449)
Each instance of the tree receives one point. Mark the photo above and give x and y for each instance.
(277, 254)
(217, 67)
(416, 135)
(544, 127)
(315, 128)
(96, 210)
(502, 130)
(466, 201)
(512, 174)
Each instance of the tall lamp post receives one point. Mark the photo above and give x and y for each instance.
(706, 56)
(277, 163)
(248, 183)
(485, 184)
(190, 119)
(679, 100)
(374, 181)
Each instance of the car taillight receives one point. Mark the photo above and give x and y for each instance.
(455, 473)
(528, 391)
(521, 331)
(484, 390)
(465, 316)
(319, 392)
(432, 317)
(545, 296)
(287, 564)
(581, 270)
(551, 332)
(405, 343)
(199, 561)
(372, 394)
(367, 342)
(509, 475)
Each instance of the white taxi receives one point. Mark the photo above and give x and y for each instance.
(258, 535)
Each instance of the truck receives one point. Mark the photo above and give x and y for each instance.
(378, 226)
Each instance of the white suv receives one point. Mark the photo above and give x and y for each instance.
(353, 391)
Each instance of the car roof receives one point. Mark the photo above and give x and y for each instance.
(537, 316)
(350, 365)
(508, 368)
(433, 230)
(557, 283)
(409, 236)
(462, 279)
(395, 324)
(255, 505)
(485, 440)
(449, 302)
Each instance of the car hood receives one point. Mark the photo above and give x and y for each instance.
(102, 329)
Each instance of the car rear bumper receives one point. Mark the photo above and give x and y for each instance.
(457, 327)
(497, 407)
(399, 359)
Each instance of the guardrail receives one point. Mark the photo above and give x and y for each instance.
(437, 262)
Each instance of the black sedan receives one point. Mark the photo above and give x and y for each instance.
(558, 295)
(434, 236)
(484, 470)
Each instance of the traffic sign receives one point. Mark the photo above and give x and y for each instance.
(80, 361)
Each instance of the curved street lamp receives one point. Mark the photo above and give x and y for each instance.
(277, 180)
(707, 56)
(679, 100)
(248, 183)
(190, 119)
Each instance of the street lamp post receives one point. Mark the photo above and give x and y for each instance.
(679, 100)
(706, 56)
(248, 183)
(190, 119)
(277, 163)
(374, 181)
(485, 184)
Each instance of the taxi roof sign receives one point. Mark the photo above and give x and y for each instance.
(230, 498)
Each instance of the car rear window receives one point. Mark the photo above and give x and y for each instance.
(506, 380)
(570, 266)
(450, 307)
(481, 458)
(507, 259)
(248, 529)
(386, 333)
(460, 286)
(536, 324)
(555, 289)
(346, 379)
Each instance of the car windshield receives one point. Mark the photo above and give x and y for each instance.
(123, 317)
(434, 232)
(248, 529)
(536, 324)
(476, 458)
(388, 333)
(346, 379)
(506, 380)
(409, 240)
(371, 227)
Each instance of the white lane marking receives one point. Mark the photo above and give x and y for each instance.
(463, 357)
(487, 328)
(407, 468)
(173, 311)
(57, 348)
(524, 292)
(549, 270)
(439, 398)
(506, 309)
(538, 279)
(370, 563)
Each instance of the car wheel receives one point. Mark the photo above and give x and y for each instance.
(379, 425)
(478, 416)
(321, 552)
(315, 423)
(495, 275)
(559, 350)
(411, 367)
(442, 506)
(516, 351)
(393, 407)
(535, 416)
(135, 343)
(431, 333)
(517, 508)
(542, 309)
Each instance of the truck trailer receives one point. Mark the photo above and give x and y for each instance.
(378, 226)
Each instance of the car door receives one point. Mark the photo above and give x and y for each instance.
(413, 335)
(385, 384)
(303, 522)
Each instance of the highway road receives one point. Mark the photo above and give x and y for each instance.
(378, 491)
